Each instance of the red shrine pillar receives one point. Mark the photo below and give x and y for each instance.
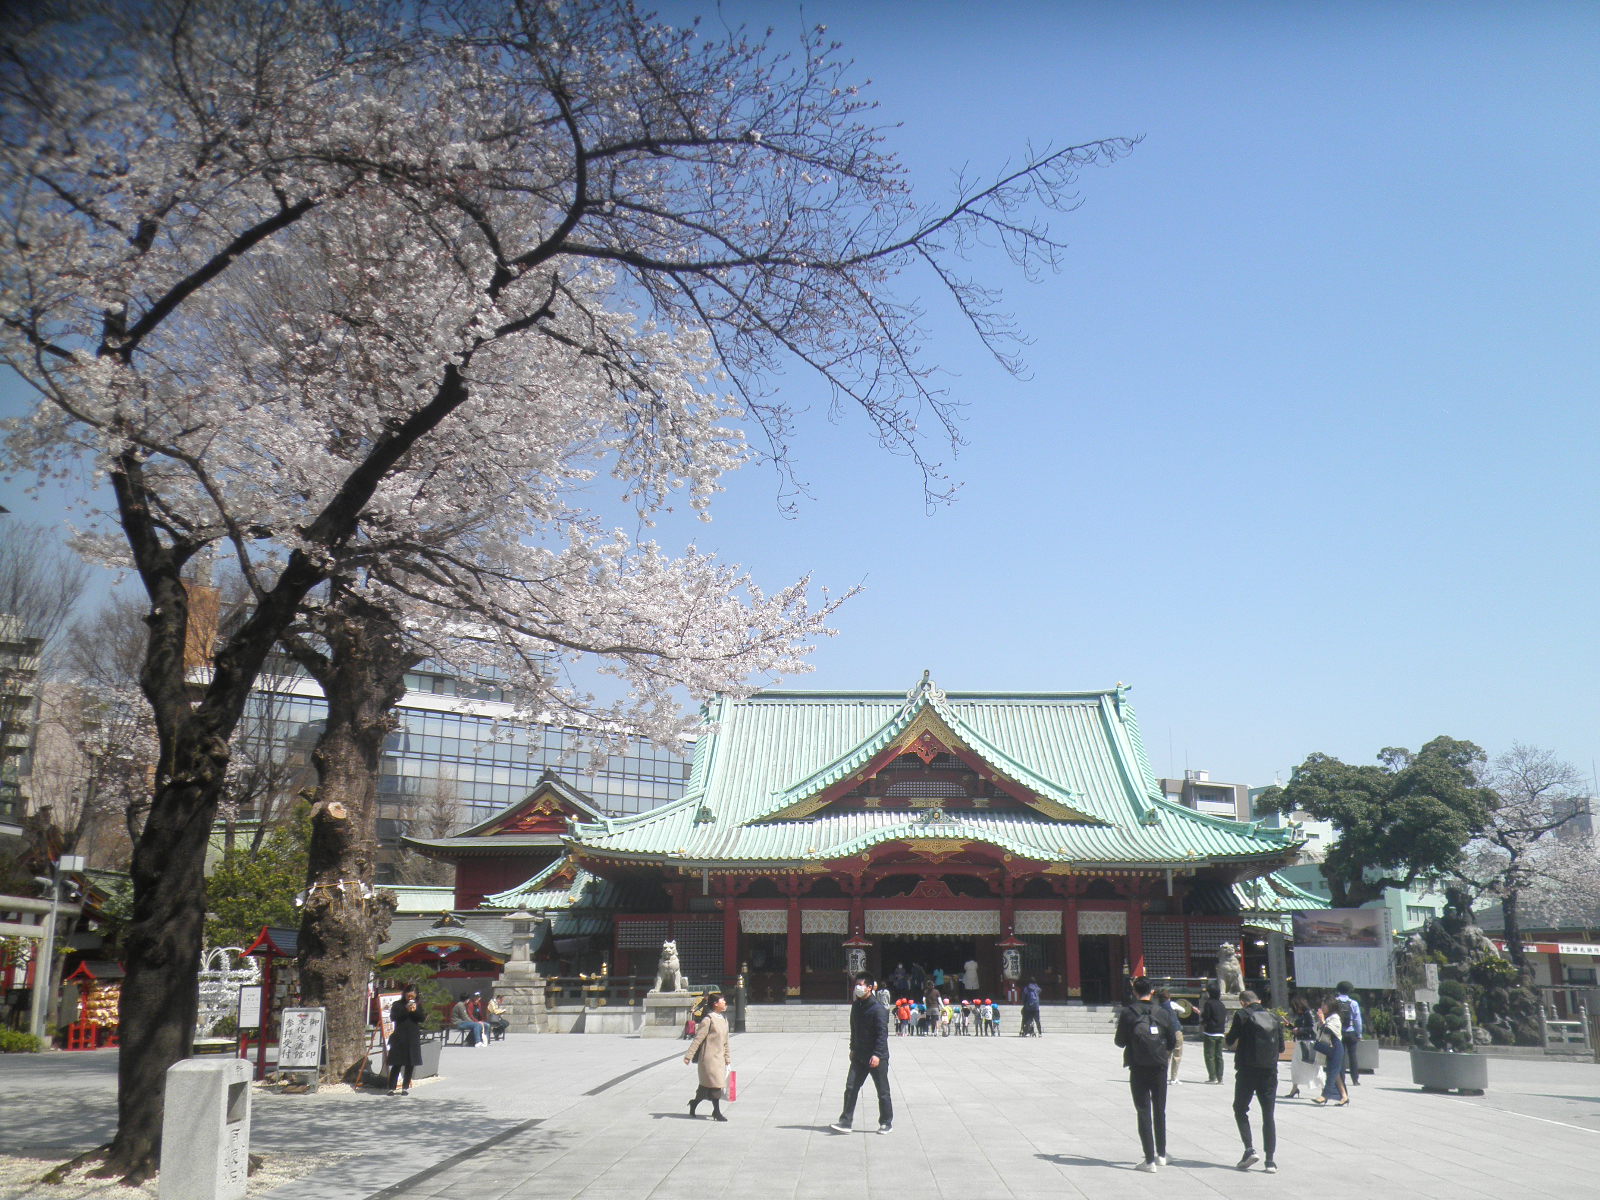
(796, 961)
(1136, 934)
(1069, 931)
(1008, 905)
(730, 934)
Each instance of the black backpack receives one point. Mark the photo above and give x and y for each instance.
(1347, 1015)
(1146, 1044)
(1258, 1040)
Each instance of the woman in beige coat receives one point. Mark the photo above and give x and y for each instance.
(711, 1045)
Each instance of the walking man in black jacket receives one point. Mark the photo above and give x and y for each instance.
(1147, 1033)
(869, 1055)
(1256, 1039)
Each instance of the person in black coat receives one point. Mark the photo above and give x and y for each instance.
(1213, 1025)
(1147, 1033)
(405, 1043)
(869, 1055)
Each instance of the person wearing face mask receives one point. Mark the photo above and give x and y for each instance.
(869, 1055)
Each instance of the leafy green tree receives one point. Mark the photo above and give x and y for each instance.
(1405, 819)
(247, 890)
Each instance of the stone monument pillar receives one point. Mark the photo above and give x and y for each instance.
(521, 988)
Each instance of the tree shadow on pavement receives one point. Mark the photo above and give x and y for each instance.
(58, 1123)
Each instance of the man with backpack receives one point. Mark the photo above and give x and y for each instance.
(1147, 1033)
(1031, 996)
(1256, 1039)
(1350, 1021)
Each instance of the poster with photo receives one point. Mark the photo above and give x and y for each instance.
(1334, 945)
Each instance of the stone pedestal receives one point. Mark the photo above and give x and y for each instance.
(665, 1013)
(520, 989)
(205, 1130)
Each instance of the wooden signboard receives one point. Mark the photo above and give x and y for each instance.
(300, 1039)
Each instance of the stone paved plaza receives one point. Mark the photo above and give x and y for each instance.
(976, 1119)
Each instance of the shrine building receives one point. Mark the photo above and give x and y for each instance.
(824, 829)
(820, 829)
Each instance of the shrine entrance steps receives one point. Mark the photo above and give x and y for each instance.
(835, 1018)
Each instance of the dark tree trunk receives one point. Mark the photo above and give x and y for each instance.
(160, 995)
(344, 920)
(1508, 909)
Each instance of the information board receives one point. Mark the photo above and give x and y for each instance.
(385, 1016)
(300, 1039)
(1332, 945)
(250, 1006)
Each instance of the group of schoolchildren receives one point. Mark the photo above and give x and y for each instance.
(940, 1016)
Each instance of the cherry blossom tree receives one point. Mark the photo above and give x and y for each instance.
(1566, 891)
(535, 226)
(1536, 795)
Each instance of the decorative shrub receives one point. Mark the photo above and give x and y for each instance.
(14, 1041)
(1447, 1024)
(1380, 1022)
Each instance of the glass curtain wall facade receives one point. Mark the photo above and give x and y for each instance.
(457, 756)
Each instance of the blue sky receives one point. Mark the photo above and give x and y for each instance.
(1306, 453)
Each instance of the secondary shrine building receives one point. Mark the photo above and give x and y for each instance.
(1025, 833)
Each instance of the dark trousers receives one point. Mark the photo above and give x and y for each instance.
(1149, 1088)
(1030, 1021)
(1262, 1083)
(852, 1086)
(1350, 1041)
(1213, 1050)
(399, 1071)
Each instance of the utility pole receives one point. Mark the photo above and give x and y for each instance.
(44, 971)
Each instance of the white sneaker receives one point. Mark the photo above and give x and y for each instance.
(1161, 1160)
(1250, 1159)
(840, 1127)
(1148, 1166)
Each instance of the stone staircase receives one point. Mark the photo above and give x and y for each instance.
(1094, 1019)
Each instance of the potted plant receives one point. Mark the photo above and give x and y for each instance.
(1444, 1058)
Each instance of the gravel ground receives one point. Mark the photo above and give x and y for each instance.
(19, 1179)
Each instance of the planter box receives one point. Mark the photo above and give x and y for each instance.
(432, 1047)
(1367, 1055)
(1437, 1071)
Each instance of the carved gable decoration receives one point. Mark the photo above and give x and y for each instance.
(542, 813)
(926, 747)
(969, 782)
(932, 889)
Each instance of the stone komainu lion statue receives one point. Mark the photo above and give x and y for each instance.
(669, 975)
(1229, 973)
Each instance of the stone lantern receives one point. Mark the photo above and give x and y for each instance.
(520, 989)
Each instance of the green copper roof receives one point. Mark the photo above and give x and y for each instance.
(1275, 894)
(540, 895)
(1079, 749)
